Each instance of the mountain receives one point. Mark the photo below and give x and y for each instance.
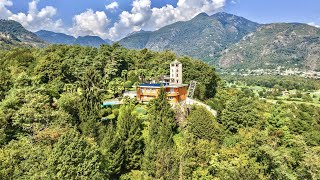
(272, 45)
(108, 41)
(13, 33)
(136, 40)
(55, 38)
(94, 41)
(202, 37)
(60, 38)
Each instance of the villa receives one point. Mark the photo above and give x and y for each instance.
(176, 90)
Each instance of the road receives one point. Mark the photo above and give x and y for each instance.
(195, 102)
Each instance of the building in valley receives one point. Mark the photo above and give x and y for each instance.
(176, 90)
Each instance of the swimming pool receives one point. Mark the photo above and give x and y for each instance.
(110, 103)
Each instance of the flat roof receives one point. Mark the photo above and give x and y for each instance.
(177, 85)
(164, 85)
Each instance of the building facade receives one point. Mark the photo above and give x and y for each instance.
(176, 90)
(175, 93)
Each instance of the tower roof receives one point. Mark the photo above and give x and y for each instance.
(175, 62)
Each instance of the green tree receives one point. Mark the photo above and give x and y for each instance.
(129, 131)
(23, 159)
(202, 124)
(239, 113)
(112, 149)
(160, 131)
(90, 102)
(73, 157)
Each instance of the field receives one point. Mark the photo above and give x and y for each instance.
(310, 97)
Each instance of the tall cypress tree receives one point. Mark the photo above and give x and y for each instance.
(129, 128)
(122, 146)
(90, 101)
(160, 131)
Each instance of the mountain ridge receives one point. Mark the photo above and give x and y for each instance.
(61, 38)
(13, 34)
(293, 45)
(222, 39)
(208, 35)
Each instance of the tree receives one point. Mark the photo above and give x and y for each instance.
(122, 146)
(23, 159)
(112, 149)
(73, 157)
(160, 131)
(239, 113)
(129, 131)
(5, 83)
(90, 102)
(202, 124)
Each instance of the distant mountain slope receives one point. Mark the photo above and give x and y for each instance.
(136, 40)
(60, 38)
(55, 38)
(202, 37)
(13, 33)
(93, 41)
(272, 45)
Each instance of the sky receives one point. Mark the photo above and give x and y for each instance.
(114, 19)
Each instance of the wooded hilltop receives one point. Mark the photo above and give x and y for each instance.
(53, 125)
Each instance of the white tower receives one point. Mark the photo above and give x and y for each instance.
(176, 72)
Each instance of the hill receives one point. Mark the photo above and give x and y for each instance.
(203, 37)
(283, 44)
(61, 38)
(94, 41)
(55, 38)
(13, 34)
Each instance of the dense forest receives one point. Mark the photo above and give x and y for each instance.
(54, 127)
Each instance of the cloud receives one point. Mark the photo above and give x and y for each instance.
(132, 21)
(4, 12)
(234, 2)
(142, 16)
(34, 20)
(314, 24)
(90, 23)
(112, 6)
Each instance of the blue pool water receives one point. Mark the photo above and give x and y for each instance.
(110, 103)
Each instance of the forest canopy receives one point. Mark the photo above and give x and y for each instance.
(53, 125)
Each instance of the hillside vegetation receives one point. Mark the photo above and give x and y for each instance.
(52, 124)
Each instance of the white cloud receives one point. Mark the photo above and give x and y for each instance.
(314, 24)
(113, 5)
(4, 12)
(34, 20)
(132, 21)
(90, 23)
(142, 16)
